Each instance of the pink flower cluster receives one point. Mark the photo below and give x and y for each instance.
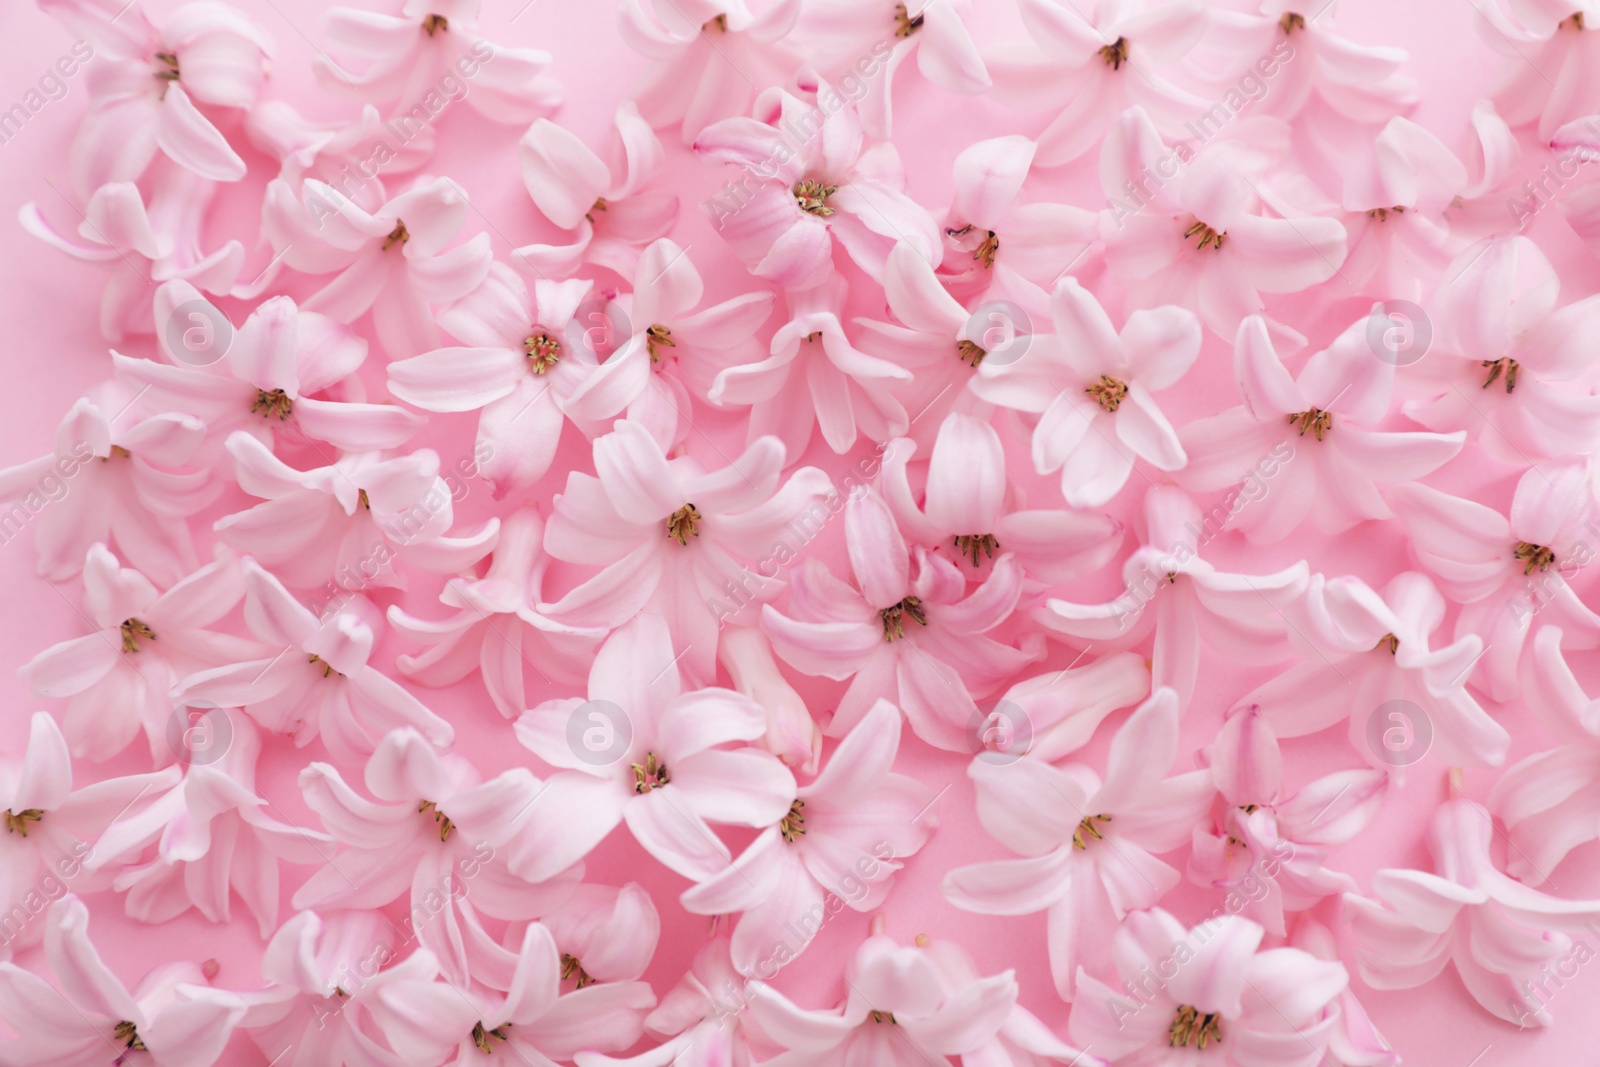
(1046, 572)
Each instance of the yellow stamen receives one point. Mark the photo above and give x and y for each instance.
(480, 1036)
(656, 338)
(651, 774)
(883, 1017)
(970, 352)
(1572, 22)
(793, 825)
(128, 1034)
(684, 524)
(895, 615)
(270, 402)
(599, 205)
(17, 821)
(132, 631)
(1208, 236)
(397, 236)
(1087, 826)
(543, 352)
(1313, 420)
(571, 968)
(904, 24)
(1391, 641)
(716, 25)
(1108, 392)
(812, 196)
(168, 71)
(1116, 53)
(435, 24)
(1190, 1028)
(1291, 22)
(327, 668)
(1507, 366)
(1382, 213)
(969, 545)
(427, 807)
(1534, 557)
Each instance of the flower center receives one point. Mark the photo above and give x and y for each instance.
(651, 774)
(128, 1034)
(1534, 557)
(1191, 1028)
(883, 1017)
(480, 1036)
(895, 615)
(1209, 237)
(571, 968)
(132, 631)
(1108, 392)
(716, 25)
(168, 69)
(793, 825)
(543, 352)
(684, 524)
(1291, 22)
(1572, 22)
(599, 205)
(327, 668)
(17, 821)
(435, 24)
(812, 196)
(969, 545)
(986, 249)
(656, 338)
(270, 402)
(363, 500)
(427, 807)
(1087, 828)
(397, 236)
(970, 352)
(116, 450)
(1497, 367)
(1313, 420)
(1116, 53)
(904, 24)
(1390, 641)
(1382, 214)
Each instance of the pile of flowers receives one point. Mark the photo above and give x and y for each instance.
(1034, 486)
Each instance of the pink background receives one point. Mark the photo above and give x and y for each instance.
(53, 351)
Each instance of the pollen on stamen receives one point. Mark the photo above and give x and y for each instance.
(270, 402)
(128, 1033)
(1291, 22)
(812, 196)
(599, 205)
(571, 968)
(655, 339)
(168, 71)
(684, 524)
(1087, 828)
(17, 821)
(427, 807)
(1314, 421)
(1209, 237)
(715, 25)
(481, 1036)
(1192, 1028)
(134, 631)
(970, 545)
(1381, 214)
(435, 24)
(904, 24)
(883, 1017)
(1498, 367)
(970, 352)
(1389, 641)
(327, 668)
(649, 775)
(543, 351)
(1116, 53)
(793, 825)
(1572, 22)
(1533, 557)
(397, 236)
(1108, 392)
(895, 615)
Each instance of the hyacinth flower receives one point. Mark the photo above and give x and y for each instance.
(392, 261)
(1092, 388)
(433, 825)
(352, 155)
(143, 245)
(855, 823)
(1184, 600)
(1089, 845)
(1497, 932)
(1514, 369)
(673, 538)
(126, 485)
(1062, 709)
(603, 208)
(207, 837)
(963, 510)
(906, 630)
(1322, 423)
(605, 933)
(1550, 51)
(349, 521)
(850, 392)
(267, 378)
(679, 761)
(119, 679)
(1368, 652)
(148, 82)
(497, 627)
(793, 201)
(86, 1016)
(1508, 570)
(430, 55)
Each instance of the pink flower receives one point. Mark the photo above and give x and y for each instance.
(88, 1015)
(792, 734)
(212, 834)
(845, 836)
(1092, 68)
(1496, 931)
(392, 260)
(907, 631)
(603, 208)
(1089, 846)
(605, 934)
(143, 246)
(147, 80)
(1320, 427)
(806, 183)
(1053, 714)
(1268, 848)
(120, 677)
(1546, 45)
(813, 360)
(317, 680)
(280, 357)
(702, 56)
(963, 508)
(529, 1021)
(844, 34)
(1366, 652)
(1510, 359)
(1186, 601)
(123, 485)
(1549, 801)
(672, 538)
(430, 55)
(498, 625)
(909, 1005)
(1504, 571)
(352, 155)
(1354, 1041)
(1091, 388)
(50, 825)
(526, 362)
(349, 521)
(435, 830)
(666, 770)
(1209, 994)
(1205, 237)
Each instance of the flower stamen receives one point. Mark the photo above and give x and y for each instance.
(1313, 420)
(904, 24)
(883, 1017)
(1208, 236)
(812, 196)
(1382, 213)
(132, 631)
(1116, 53)
(969, 545)
(684, 524)
(651, 774)
(1088, 827)
(1108, 392)
(1191, 1028)
(435, 24)
(397, 236)
(599, 205)
(571, 968)
(970, 352)
(128, 1034)
(895, 615)
(1507, 366)
(427, 807)
(1534, 557)
(716, 25)
(327, 668)
(1291, 22)
(481, 1036)
(168, 71)
(270, 402)
(543, 351)
(1572, 22)
(793, 825)
(656, 338)
(1390, 641)
(17, 821)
